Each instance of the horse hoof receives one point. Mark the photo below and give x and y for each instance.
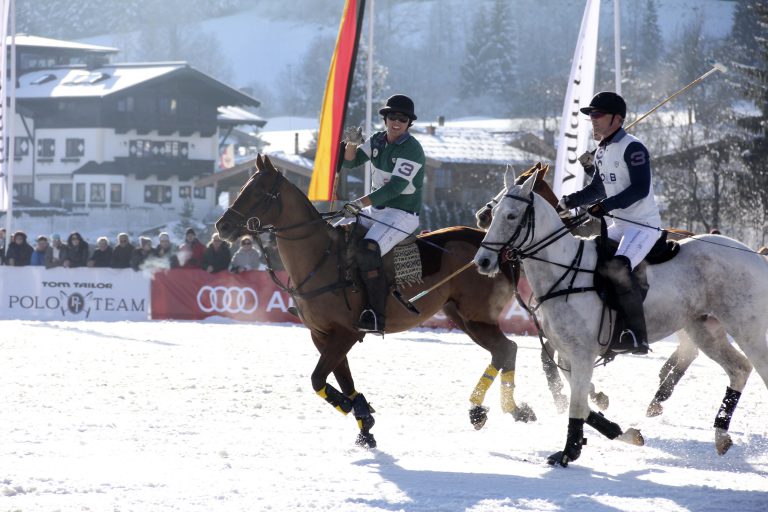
(723, 441)
(655, 409)
(561, 403)
(365, 440)
(558, 459)
(601, 400)
(478, 415)
(632, 436)
(524, 413)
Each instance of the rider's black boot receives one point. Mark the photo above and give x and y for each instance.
(375, 282)
(630, 302)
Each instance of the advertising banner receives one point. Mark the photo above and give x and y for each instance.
(37, 293)
(191, 294)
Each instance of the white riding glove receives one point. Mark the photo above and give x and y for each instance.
(352, 209)
(587, 159)
(562, 209)
(353, 135)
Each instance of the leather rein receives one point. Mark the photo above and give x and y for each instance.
(252, 224)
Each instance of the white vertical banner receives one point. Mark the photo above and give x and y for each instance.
(575, 128)
(4, 192)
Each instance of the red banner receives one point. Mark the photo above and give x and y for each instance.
(191, 294)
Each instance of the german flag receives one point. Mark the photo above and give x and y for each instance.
(329, 150)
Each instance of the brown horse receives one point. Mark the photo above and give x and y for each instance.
(314, 255)
(672, 370)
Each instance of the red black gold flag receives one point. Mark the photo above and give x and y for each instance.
(329, 149)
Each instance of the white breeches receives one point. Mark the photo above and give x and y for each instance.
(393, 227)
(635, 242)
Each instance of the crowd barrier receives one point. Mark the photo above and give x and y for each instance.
(36, 293)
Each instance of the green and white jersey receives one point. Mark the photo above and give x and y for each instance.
(397, 170)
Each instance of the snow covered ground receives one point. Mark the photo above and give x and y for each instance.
(187, 416)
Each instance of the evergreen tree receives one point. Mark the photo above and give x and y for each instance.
(649, 49)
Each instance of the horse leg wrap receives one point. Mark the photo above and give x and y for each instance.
(606, 427)
(478, 394)
(730, 401)
(333, 396)
(573, 444)
(508, 392)
(365, 421)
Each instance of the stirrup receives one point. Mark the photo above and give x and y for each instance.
(640, 348)
(370, 322)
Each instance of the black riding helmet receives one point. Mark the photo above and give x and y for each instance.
(399, 103)
(608, 102)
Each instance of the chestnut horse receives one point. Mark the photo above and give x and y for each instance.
(329, 304)
(671, 371)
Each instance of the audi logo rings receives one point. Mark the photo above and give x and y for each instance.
(227, 299)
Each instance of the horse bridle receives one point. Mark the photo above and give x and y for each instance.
(252, 223)
(511, 250)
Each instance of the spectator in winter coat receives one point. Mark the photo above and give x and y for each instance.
(166, 252)
(58, 253)
(217, 255)
(246, 258)
(122, 252)
(19, 251)
(102, 255)
(2, 246)
(141, 253)
(191, 251)
(77, 254)
(40, 253)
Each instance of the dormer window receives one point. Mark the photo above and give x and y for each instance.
(48, 77)
(87, 78)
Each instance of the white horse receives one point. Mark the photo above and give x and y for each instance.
(714, 286)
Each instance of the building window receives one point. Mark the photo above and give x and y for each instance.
(115, 193)
(167, 105)
(80, 192)
(157, 194)
(46, 148)
(443, 178)
(61, 193)
(75, 148)
(21, 146)
(98, 193)
(22, 190)
(199, 192)
(185, 192)
(125, 104)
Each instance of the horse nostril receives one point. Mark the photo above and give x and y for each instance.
(485, 263)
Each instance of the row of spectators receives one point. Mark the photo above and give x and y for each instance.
(52, 252)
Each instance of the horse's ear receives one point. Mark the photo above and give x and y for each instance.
(509, 176)
(259, 163)
(544, 171)
(268, 165)
(530, 182)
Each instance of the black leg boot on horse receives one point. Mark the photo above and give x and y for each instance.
(375, 282)
(629, 297)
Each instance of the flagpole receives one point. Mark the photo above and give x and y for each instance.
(617, 43)
(8, 114)
(369, 94)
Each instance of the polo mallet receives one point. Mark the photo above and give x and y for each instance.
(715, 67)
(441, 282)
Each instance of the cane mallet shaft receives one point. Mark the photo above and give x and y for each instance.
(442, 281)
(716, 67)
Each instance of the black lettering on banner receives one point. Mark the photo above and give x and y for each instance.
(637, 158)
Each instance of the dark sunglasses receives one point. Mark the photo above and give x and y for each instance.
(597, 115)
(399, 118)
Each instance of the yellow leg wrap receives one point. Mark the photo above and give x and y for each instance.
(508, 392)
(478, 394)
(339, 402)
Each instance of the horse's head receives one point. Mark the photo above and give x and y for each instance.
(512, 226)
(257, 204)
(484, 215)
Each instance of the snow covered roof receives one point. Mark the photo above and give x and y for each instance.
(80, 82)
(470, 146)
(45, 42)
(233, 116)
